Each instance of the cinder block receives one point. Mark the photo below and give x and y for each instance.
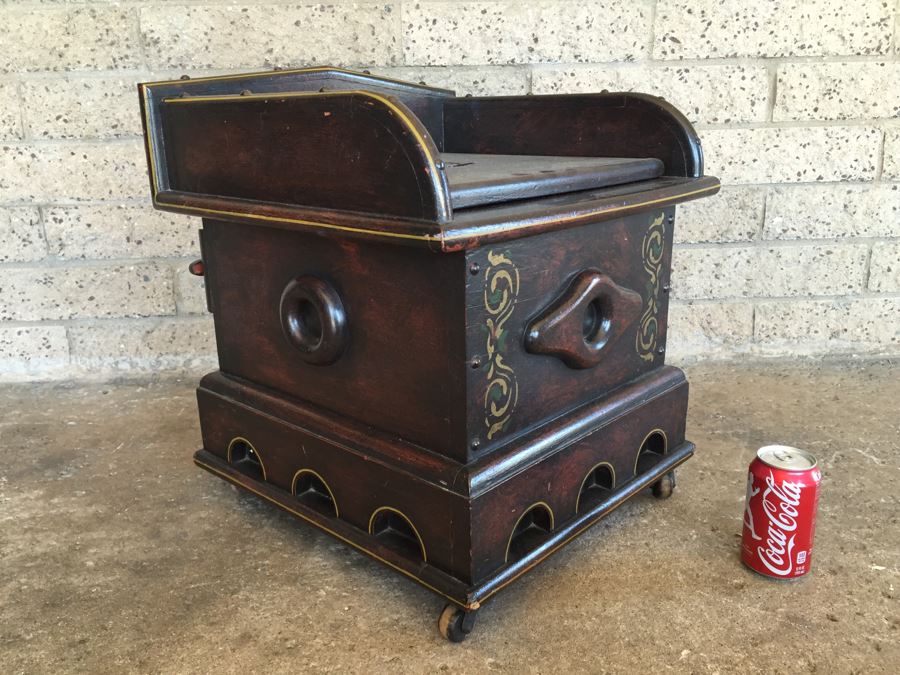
(884, 270)
(81, 107)
(10, 113)
(750, 271)
(67, 38)
(478, 81)
(263, 36)
(832, 211)
(860, 325)
(53, 293)
(837, 91)
(137, 347)
(119, 231)
(734, 214)
(190, 293)
(792, 155)
(708, 330)
(21, 236)
(891, 168)
(705, 94)
(33, 353)
(161, 234)
(472, 33)
(70, 172)
(702, 29)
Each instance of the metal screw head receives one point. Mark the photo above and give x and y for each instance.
(185, 77)
(476, 362)
(667, 287)
(671, 219)
(474, 268)
(661, 350)
(476, 444)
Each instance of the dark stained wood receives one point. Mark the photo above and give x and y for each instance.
(341, 150)
(480, 503)
(581, 125)
(583, 322)
(402, 367)
(477, 180)
(457, 394)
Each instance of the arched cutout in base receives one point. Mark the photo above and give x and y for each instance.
(652, 450)
(245, 458)
(312, 490)
(531, 530)
(395, 530)
(595, 486)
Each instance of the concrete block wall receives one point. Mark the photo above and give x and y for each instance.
(798, 105)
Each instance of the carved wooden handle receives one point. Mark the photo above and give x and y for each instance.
(313, 320)
(590, 315)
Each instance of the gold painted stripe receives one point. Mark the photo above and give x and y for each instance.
(309, 223)
(297, 475)
(408, 522)
(665, 446)
(525, 513)
(596, 466)
(344, 539)
(482, 230)
(241, 439)
(404, 118)
(293, 71)
(565, 541)
(441, 237)
(154, 180)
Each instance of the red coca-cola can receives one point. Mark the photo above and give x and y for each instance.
(780, 512)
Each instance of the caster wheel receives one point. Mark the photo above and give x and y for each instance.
(455, 623)
(663, 488)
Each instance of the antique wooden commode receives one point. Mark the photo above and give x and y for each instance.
(441, 321)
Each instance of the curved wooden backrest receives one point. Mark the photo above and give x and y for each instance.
(336, 150)
(592, 125)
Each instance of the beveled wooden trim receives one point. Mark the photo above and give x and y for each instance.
(578, 525)
(467, 596)
(299, 71)
(428, 576)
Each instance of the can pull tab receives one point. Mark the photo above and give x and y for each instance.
(196, 268)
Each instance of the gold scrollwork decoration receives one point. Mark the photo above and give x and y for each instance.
(501, 288)
(652, 251)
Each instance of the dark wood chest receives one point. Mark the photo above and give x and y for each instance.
(441, 321)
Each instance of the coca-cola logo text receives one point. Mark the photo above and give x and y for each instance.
(780, 506)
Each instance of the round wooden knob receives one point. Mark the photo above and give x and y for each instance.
(313, 320)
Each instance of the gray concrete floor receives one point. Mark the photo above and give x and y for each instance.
(118, 555)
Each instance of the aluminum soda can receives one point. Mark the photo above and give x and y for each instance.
(780, 512)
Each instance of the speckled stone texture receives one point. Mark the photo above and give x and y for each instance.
(240, 36)
(706, 94)
(797, 104)
(810, 269)
(793, 154)
(688, 29)
(838, 91)
(119, 555)
(450, 33)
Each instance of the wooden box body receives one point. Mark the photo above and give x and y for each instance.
(454, 369)
(426, 330)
